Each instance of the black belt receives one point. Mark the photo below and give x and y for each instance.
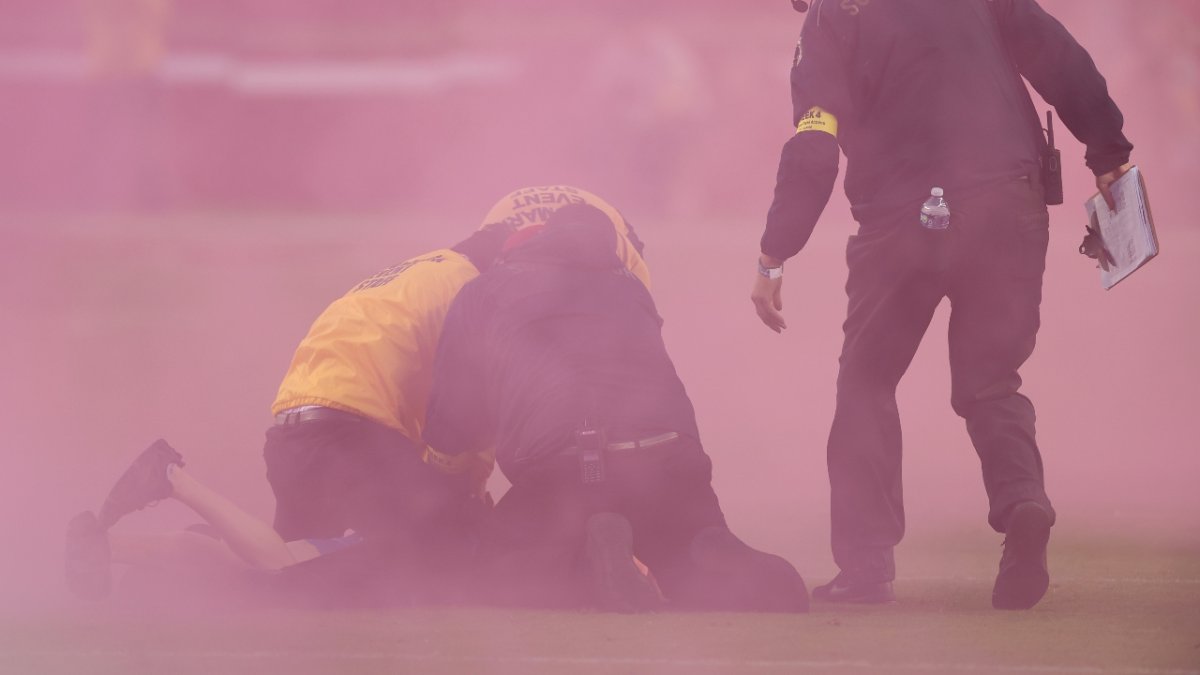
(648, 442)
(296, 416)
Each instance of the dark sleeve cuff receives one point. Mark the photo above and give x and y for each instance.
(1106, 163)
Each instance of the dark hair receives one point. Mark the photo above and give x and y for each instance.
(483, 247)
(581, 214)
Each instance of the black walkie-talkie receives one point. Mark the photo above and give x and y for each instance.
(591, 445)
(1052, 181)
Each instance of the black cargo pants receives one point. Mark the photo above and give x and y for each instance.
(531, 548)
(989, 263)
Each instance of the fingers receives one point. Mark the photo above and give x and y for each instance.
(1108, 198)
(771, 318)
(767, 297)
(1105, 181)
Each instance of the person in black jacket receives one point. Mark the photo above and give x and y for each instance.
(923, 94)
(556, 358)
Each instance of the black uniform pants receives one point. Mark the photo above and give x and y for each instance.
(532, 547)
(418, 524)
(331, 475)
(989, 263)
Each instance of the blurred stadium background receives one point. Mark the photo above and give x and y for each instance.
(666, 106)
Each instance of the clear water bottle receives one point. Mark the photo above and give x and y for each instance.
(935, 212)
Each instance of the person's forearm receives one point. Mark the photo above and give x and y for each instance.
(808, 168)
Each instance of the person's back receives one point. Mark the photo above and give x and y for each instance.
(931, 99)
(368, 352)
(573, 338)
(929, 93)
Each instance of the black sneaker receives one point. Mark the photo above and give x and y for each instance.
(744, 578)
(142, 484)
(1024, 575)
(618, 584)
(857, 592)
(88, 560)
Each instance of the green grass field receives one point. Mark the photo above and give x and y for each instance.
(1119, 609)
(124, 330)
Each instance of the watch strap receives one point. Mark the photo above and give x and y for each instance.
(770, 272)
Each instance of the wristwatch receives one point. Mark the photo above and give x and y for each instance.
(770, 272)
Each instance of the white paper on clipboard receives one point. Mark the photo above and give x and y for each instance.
(1128, 233)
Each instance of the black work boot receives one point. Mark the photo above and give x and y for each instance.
(87, 558)
(748, 580)
(618, 584)
(143, 483)
(844, 589)
(1024, 576)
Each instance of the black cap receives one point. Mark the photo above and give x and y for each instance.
(800, 5)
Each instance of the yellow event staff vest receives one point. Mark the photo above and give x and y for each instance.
(371, 351)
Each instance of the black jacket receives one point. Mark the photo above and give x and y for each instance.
(927, 93)
(558, 333)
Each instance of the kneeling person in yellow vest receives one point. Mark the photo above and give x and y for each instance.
(344, 452)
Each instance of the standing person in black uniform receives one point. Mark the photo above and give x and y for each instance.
(556, 358)
(922, 94)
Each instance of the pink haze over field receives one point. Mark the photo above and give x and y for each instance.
(176, 213)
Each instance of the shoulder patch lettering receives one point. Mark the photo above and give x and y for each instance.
(817, 119)
(386, 276)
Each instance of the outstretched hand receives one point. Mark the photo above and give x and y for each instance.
(1104, 184)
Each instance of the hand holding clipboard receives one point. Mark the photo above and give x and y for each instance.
(1120, 228)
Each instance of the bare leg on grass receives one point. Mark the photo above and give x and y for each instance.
(251, 539)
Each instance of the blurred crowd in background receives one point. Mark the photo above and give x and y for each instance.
(671, 108)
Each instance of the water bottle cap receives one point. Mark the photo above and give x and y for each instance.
(936, 192)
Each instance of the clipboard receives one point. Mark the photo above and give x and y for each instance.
(1128, 233)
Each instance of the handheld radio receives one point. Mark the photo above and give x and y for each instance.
(1052, 180)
